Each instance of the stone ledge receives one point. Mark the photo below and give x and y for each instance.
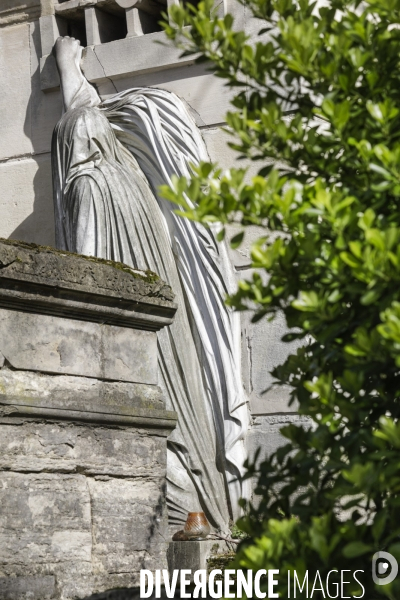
(46, 397)
(18, 11)
(47, 281)
(122, 58)
(165, 421)
(77, 392)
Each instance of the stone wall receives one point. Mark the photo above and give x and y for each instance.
(30, 106)
(83, 425)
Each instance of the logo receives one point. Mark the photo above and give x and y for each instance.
(384, 568)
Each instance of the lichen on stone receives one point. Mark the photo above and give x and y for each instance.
(220, 561)
(145, 275)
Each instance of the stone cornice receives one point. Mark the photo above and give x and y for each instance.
(19, 11)
(163, 420)
(47, 281)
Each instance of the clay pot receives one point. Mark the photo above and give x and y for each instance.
(196, 526)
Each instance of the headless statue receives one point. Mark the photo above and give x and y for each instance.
(108, 160)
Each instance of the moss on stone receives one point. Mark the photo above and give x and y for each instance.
(145, 275)
(220, 561)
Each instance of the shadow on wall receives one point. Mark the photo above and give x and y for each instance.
(43, 112)
(45, 109)
(38, 227)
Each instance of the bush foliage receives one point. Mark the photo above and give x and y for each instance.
(317, 106)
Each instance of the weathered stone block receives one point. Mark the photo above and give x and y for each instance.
(64, 447)
(196, 86)
(26, 205)
(58, 345)
(194, 555)
(15, 83)
(43, 280)
(128, 534)
(265, 434)
(18, 11)
(78, 393)
(21, 588)
(45, 518)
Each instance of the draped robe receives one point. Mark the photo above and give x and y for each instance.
(108, 162)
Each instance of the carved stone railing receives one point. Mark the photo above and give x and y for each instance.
(118, 36)
(101, 21)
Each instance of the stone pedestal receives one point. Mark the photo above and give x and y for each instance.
(195, 555)
(83, 427)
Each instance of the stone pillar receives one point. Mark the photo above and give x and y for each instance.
(83, 426)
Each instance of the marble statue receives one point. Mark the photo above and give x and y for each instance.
(109, 157)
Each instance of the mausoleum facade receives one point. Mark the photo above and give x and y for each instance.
(86, 407)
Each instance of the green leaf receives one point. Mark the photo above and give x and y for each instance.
(355, 549)
(221, 234)
(236, 240)
(307, 301)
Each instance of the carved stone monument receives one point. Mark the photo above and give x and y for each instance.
(152, 112)
(83, 424)
(109, 159)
